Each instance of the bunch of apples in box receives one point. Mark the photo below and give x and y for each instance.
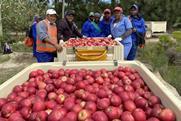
(84, 95)
(81, 42)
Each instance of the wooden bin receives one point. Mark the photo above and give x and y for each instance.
(113, 52)
(168, 98)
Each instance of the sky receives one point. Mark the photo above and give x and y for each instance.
(107, 1)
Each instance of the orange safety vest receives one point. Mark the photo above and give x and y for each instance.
(43, 46)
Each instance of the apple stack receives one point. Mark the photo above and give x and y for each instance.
(84, 95)
(81, 42)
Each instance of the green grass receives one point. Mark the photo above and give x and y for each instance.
(172, 76)
(8, 73)
(20, 47)
(177, 35)
(4, 58)
(154, 55)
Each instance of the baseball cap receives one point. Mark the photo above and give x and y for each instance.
(70, 12)
(118, 9)
(51, 12)
(97, 14)
(91, 14)
(107, 11)
(135, 7)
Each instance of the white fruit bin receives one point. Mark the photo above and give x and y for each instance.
(115, 52)
(167, 96)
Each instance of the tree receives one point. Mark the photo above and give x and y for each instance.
(17, 15)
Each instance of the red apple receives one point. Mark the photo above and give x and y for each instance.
(103, 103)
(99, 116)
(51, 104)
(115, 100)
(38, 106)
(91, 106)
(127, 116)
(57, 114)
(52, 96)
(167, 115)
(129, 105)
(113, 112)
(83, 115)
(139, 115)
(60, 98)
(41, 116)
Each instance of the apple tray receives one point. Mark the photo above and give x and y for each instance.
(115, 52)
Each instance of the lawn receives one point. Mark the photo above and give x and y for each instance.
(7, 73)
(155, 55)
(4, 58)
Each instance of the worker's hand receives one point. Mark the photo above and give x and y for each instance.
(119, 39)
(84, 36)
(59, 47)
(61, 42)
(142, 45)
(109, 36)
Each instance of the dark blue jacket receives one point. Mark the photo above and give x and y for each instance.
(105, 27)
(89, 29)
(139, 24)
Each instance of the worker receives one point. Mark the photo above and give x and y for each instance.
(7, 48)
(91, 28)
(105, 23)
(139, 30)
(67, 27)
(121, 30)
(47, 43)
(32, 33)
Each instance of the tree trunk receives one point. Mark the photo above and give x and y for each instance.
(1, 29)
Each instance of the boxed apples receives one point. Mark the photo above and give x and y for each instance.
(87, 91)
(91, 49)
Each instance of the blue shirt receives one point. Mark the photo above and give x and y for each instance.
(34, 31)
(105, 27)
(89, 30)
(139, 24)
(119, 28)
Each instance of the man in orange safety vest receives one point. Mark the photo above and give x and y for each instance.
(47, 43)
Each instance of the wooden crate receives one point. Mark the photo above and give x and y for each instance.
(167, 96)
(113, 52)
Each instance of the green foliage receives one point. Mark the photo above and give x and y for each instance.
(165, 41)
(177, 35)
(154, 55)
(17, 15)
(172, 76)
(20, 47)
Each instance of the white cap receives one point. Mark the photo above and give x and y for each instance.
(51, 12)
(91, 14)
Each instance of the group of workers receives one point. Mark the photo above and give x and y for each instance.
(128, 30)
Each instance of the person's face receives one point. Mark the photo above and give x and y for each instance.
(91, 18)
(107, 15)
(97, 19)
(70, 18)
(52, 18)
(117, 14)
(133, 11)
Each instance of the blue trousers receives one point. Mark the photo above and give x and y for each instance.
(34, 48)
(132, 53)
(127, 48)
(44, 57)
